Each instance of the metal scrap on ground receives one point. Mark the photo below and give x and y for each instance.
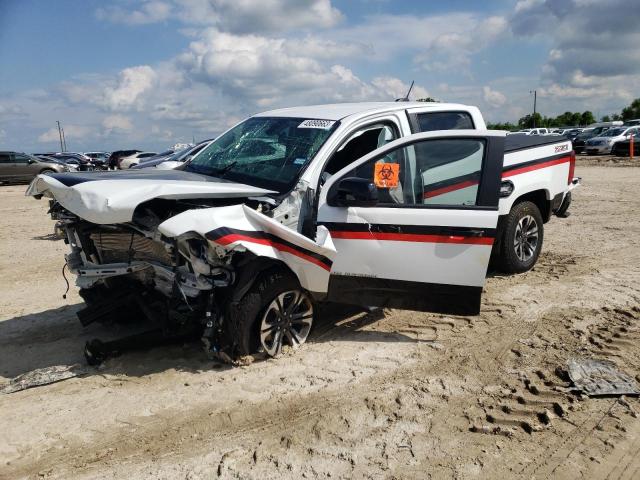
(597, 377)
(43, 376)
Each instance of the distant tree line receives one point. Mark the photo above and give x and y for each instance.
(568, 119)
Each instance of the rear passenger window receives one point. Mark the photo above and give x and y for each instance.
(5, 158)
(429, 122)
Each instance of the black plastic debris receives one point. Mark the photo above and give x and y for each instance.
(599, 377)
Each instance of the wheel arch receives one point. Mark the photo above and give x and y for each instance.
(250, 270)
(540, 198)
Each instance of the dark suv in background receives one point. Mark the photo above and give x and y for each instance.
(20, 167)
(579, 142)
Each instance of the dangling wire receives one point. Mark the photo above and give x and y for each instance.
(67, 281)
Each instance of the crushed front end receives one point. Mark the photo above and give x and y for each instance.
(178, 264)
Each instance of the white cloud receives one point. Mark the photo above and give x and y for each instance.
(133, 82)
(70, 132)
(150, 11)
(396, 88)
(263, 71)
(117, 122)
(592, 41)
(494, 97)
(238, 16)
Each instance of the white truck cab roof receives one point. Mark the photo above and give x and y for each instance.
(339, 111)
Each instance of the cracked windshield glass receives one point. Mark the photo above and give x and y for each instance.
(266, 152)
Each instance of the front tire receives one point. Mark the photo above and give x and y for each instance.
(276, 311)
(521, 240)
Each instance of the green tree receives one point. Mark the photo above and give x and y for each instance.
(576, 118)
(587, 118)
(606, 118)
(528, 121)
(502, 126)
(632, 111)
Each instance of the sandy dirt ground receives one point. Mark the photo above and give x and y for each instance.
(396, 394)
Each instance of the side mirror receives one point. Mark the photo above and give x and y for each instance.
(31, 161)
(353, 192)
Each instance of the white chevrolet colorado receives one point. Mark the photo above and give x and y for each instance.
(374, 204)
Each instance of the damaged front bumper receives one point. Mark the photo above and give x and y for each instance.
(175, 262)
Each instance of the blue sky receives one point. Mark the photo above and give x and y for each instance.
(149, 73)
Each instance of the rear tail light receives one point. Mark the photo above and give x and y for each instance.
(572, 166)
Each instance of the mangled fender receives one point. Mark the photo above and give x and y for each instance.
(239, 225)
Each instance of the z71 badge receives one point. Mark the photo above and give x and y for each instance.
(562, 148)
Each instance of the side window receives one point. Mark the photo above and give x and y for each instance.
(429, 122)
(429, 172)
(5, 158)
(19, 158)
(360, 143)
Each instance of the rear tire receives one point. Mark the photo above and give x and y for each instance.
(521, 240)
(276, 311)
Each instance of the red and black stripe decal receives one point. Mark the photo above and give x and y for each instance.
(526, 167)
(472, 179)
(226, 236)
(451, 185)
(412, 233)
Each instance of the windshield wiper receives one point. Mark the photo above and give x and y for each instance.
(224, 170)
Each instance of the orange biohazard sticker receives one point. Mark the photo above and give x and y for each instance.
(386, 175)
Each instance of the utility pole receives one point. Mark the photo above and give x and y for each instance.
(64, 142)
(535, 97)
(60, 135)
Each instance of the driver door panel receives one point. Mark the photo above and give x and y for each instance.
(409, 250)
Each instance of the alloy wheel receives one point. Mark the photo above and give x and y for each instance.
(287, 319)
(526, 238)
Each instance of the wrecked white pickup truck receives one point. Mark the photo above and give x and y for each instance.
(373, 204)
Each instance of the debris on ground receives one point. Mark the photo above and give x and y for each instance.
(599, 377)
(43, 376)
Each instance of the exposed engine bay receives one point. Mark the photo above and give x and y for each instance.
(180, 263)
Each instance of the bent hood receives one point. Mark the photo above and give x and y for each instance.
(112, 197)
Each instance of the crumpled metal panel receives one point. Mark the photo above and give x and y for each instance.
(599, 377)
(44, 376)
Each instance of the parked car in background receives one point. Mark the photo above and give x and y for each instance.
(572, 133)
(73, 165)
(135, 159)
(623, 147)
(176, 160)
(20, 167)
(158, 156)
(99, 158)
(632, 123)
(85, 163)
(114, 158)
(580, 140)
(603, 144)
(533, 131)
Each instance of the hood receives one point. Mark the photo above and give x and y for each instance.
(112, 197)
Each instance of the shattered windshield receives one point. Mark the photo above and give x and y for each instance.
(266, 152)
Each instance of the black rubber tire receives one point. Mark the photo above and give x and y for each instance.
(46, 171)
(243, 319)
(507, 261)
(564, 206)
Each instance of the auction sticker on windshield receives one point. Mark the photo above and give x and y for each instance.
(321, 124)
